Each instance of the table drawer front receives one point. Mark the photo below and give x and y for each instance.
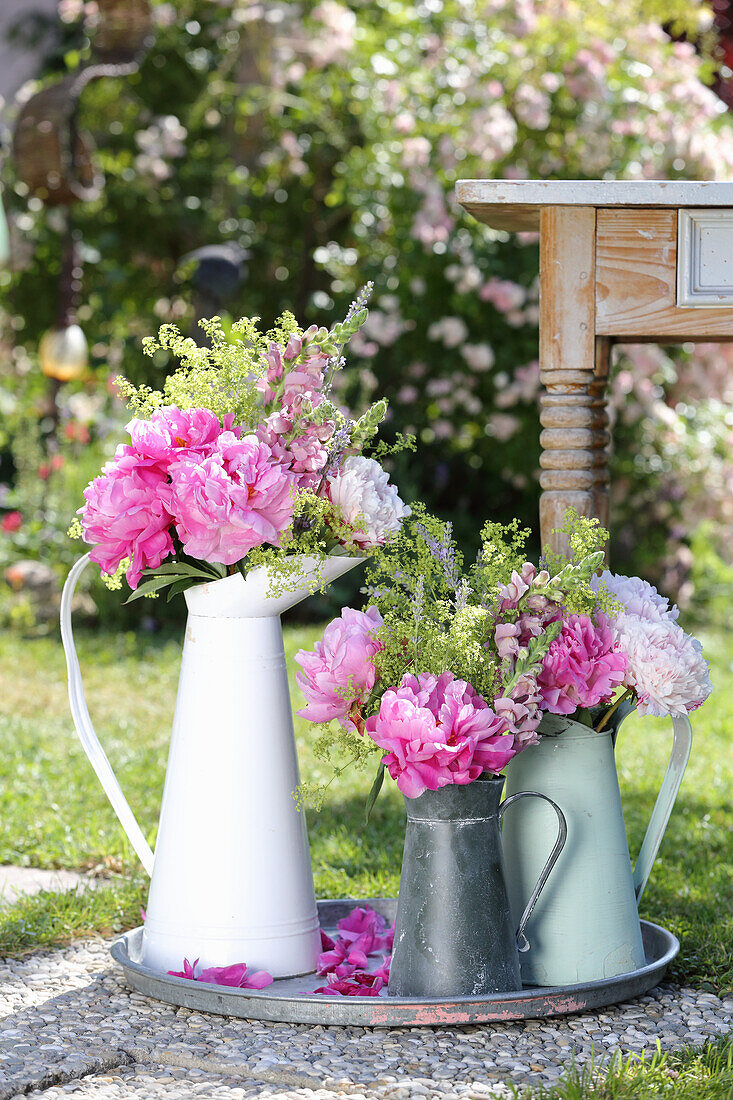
(705, 258)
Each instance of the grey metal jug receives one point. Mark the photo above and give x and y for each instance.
(454, 934)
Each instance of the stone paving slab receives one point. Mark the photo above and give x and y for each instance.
(171, 1083)
(18, 881)
(70, 1025)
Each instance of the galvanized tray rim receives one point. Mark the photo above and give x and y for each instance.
(258, 1000)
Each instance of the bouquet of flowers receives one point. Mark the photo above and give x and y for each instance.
(448, 671)
(242, 459)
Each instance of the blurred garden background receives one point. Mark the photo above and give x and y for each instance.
(310, 147)
(261, 156)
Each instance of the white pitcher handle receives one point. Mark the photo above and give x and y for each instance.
(85, 729)
(665, 801)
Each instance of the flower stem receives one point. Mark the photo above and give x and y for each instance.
(613, 709)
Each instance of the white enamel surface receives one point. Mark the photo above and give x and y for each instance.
(85, 729)
(238, 595)
(231, 880)
(705, 258)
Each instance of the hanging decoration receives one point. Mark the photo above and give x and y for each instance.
(54, 158)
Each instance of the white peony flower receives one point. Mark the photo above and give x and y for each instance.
(665, 666)
(638, 597)
(366, 501)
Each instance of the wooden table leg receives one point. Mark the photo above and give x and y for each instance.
(601, 435)
(572, 407)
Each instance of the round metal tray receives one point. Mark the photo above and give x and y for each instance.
(288, 999)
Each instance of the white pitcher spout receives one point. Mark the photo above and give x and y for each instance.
(248, 597)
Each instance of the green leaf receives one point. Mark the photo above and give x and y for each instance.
(181, 569)
(150, 586)
(179, 586)
(372, 796)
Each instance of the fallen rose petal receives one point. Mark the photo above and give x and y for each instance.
(236, 975)
(189, 970)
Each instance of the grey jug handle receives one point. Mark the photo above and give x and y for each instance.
(562, 835)
(666, 798)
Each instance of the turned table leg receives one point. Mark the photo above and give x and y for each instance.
(572, 371)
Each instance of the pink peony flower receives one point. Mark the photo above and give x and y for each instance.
(583, 666)
(125, 515)
(171, 431)
(638, 596)
(438, 730)
(366, 501)
(338, 676)
(230, 501)
(666, 667)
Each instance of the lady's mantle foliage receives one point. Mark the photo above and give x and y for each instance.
(439, 696)
(241, 451)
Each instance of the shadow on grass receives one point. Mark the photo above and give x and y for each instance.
(690, 889)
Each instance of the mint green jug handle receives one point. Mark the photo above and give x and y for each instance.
(562, 835)
(665, 801)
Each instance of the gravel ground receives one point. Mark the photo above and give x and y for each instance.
(70, 1027)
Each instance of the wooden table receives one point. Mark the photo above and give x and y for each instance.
(619, 262)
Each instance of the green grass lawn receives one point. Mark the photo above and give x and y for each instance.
(53, 814)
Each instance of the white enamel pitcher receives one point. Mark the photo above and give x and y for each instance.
(231, 878)
(585, 926)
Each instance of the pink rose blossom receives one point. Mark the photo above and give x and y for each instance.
(231, 501)
(438, 730)
(125, 515)
(339, 674)
(582, 667)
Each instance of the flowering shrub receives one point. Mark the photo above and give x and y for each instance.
(462, 664)
(207, 492)
(325, 138)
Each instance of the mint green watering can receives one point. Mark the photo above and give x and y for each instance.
(585, 925)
